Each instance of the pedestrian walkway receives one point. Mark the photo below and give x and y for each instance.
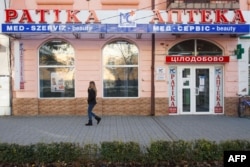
(141, 129)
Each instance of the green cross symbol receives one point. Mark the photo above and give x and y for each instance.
(239, 51)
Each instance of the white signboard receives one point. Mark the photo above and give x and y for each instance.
(57, 82)
(160, 73)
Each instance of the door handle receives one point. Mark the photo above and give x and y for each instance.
(196, 91)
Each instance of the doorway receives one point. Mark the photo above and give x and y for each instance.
(195, 90)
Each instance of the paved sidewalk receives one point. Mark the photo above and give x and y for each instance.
(141, 129)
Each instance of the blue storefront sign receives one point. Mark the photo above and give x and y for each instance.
(139, 28)
(201, 28)
(53, 28)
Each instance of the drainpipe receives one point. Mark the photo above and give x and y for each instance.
(9, 63)
(153, 68)
(10, 75)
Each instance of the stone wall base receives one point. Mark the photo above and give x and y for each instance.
(78, 106)
(231, 106)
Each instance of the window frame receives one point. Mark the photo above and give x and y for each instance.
(195, 51)
(56, 67)
(120, 66)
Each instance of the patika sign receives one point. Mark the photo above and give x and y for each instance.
(218, 108)
(123, 21)
(172, 108)
(204, 16)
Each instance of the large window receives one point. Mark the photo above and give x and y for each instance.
(120, 69)
(56, 69)
(195, 47)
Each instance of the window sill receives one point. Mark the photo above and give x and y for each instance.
(55, 2)
(120, 2)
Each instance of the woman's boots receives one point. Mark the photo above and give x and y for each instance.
(98, 119)
(89, 123)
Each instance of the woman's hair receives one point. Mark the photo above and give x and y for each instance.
(92, 86)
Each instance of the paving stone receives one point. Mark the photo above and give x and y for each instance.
(142, 129)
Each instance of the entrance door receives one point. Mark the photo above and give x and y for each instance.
(194, 86)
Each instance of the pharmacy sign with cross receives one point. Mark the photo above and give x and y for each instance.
(239, 51)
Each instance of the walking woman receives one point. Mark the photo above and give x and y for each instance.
(92, 92)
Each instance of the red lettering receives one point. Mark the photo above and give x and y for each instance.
(172, 104)
(219, 16)
(218, 80)
(42, 15)
(10, 15)
(71, 18)
(218, 103)
(172, 83)
(57, 18)
(238, 17)
(157, 16)
(170, 16)
(26, 17)
(191, 15)
(92, 17)
(172, 98)
(179, 19)
(205, 16)
(169, 19)
(172, 76)
(218, 98)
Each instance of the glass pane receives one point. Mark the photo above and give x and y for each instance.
(183, 48)
(202, 90)
(249, 80)
(186, 100)
(249, 56)
(186, 73)
(120, 82)
(56, 53)
(187, 48)
(186, 83)
(120, 53)
(207, 48)
(57, 82)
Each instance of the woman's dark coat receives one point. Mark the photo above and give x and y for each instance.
(91, 96)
